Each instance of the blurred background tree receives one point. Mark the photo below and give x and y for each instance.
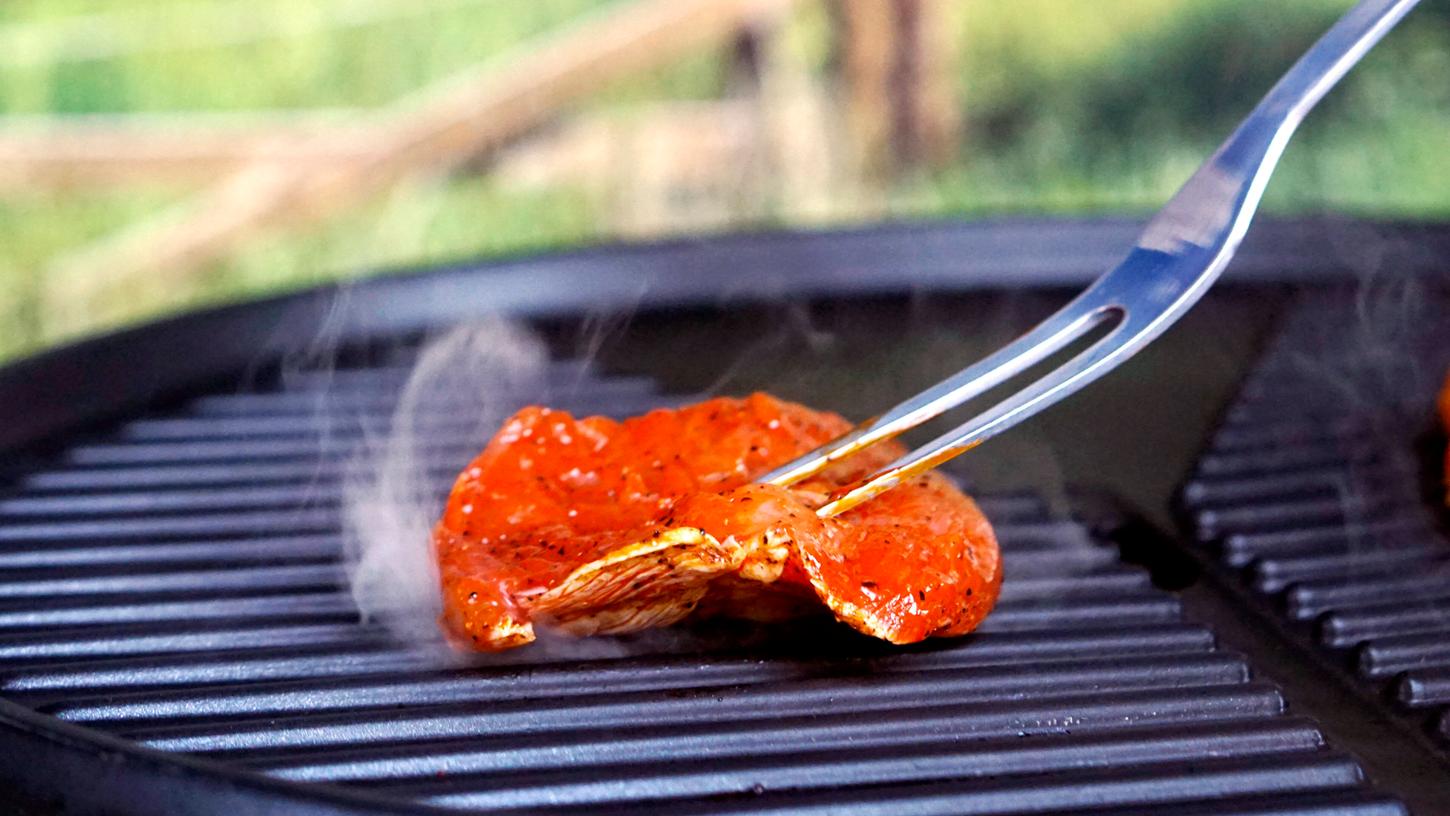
(160, 154)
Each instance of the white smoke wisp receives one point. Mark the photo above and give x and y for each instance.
(464, 384)
(1373, 349)
(1370, 354)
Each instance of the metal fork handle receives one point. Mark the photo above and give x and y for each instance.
(1178, 256)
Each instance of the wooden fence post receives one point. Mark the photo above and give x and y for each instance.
(892, 65)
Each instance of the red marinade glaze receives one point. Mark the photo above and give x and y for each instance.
(594, 526)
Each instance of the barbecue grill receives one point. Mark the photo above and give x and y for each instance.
(176, 632)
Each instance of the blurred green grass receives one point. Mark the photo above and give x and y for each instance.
(229, 55)
(1069, 107)
(1062, 126)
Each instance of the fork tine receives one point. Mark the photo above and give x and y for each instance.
(1062, 381)
(1147, 292)
(1048, 337)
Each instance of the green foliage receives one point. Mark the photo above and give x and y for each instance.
(35, 227)
(1069, 107)
(1108, 106)
(420, 223)
(189, 55)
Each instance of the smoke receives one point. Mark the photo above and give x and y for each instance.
(464, 384)
(1370, 354)
(1377, 351)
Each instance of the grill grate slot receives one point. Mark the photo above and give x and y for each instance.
(1112, 789)
(996, 760)
(636, 674)
(177, 582)
(901, 730)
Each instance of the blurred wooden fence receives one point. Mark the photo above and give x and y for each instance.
(185, 149)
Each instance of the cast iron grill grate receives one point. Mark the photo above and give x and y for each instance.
(1322, 492)
(176, 583)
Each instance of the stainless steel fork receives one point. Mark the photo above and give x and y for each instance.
(1177, 257)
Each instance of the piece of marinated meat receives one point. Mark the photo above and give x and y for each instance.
(593, 526)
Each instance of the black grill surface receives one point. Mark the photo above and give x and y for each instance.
(1322, 494)
(171, 592)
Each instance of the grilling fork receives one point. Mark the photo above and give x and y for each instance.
(1176, 258)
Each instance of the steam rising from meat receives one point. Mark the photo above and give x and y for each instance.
(463, 386)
